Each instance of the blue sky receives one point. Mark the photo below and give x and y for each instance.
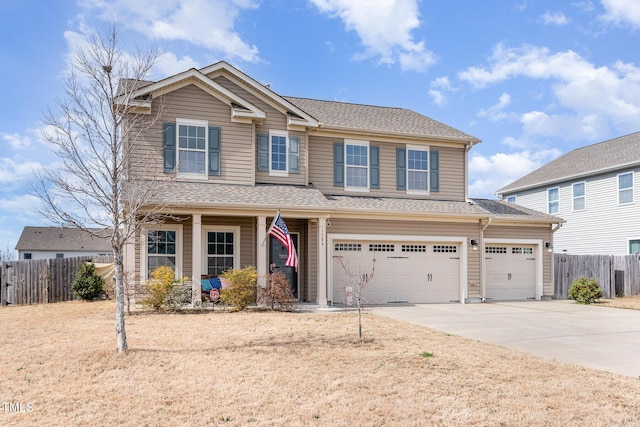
(531, 79)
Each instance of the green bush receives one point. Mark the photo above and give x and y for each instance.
(86, 284)
(242, 290)
(162, 290)
(585, 291)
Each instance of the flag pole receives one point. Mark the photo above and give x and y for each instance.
(271, 226)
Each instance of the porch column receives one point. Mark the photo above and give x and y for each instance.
(196, 259)
(262, 252)
(322, 261)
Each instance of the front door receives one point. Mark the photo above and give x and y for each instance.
(277, 259)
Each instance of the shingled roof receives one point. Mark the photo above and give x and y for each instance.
(343, 115)
(606, 156)
(61, 239)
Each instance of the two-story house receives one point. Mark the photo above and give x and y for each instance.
(351, 181)
(594, 189)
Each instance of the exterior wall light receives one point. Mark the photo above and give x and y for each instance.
(549, 247)
(474, 244)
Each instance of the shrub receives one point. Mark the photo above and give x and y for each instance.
(86, 284)
(279, 292)
(242, 290)
(585, 291)
(162, 290)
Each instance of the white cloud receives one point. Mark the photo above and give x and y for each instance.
(206, 23)
(489, 174)
(439, 89)
(169, 64)
(17, 171)
(384, 28)
(16, 141)
(554, 18)
(496, 112)
(587, 100)
(622, 12)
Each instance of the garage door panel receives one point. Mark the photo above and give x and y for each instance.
(510, 272)
(404, 271)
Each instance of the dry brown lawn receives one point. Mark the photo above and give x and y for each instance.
(632, 302)
(59, 365)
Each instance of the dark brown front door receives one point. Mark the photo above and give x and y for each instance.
(278, 257)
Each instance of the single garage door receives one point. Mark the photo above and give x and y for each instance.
(511, 272)
(404, 271)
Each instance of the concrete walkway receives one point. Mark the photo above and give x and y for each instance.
(601, 338)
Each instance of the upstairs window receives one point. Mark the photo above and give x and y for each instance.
(357, 165)
(553, 201)
(278, 153)
(625, 188)
(511, 199)
(578, 196)
(417, 170)
(192, 147)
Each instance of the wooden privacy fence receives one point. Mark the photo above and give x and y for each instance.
(41, 281)
(618, 275)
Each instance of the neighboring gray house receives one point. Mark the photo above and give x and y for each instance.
(56, 242)
(595, 190)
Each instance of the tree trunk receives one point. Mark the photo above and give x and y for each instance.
(121, 334)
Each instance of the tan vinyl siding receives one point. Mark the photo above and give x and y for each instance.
(451, 167)
(530, 233)
(191, 102)
(247, 235)
(274, 120)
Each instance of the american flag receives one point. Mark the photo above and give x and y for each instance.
(280, 231)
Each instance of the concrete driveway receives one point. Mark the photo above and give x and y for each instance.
(601, 338)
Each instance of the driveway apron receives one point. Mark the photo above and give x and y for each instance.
(595, 337)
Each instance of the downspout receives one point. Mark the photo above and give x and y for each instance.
(483, 285)
(467, 147)
(553, 263)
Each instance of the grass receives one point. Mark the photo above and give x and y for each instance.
(291, 369)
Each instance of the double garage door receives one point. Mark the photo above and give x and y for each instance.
(405, 271)
(511, 272)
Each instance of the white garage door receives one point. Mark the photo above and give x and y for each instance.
(511, 272)
(404, 271)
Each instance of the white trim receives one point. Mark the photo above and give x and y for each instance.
(418, 148)
(285, 134)
(220, 229)
(361, 143)
(573, 196)
(539, 244)
(633, 177)
(461, 240)
(143, 247)
(198, 123)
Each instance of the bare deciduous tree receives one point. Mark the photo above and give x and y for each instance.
(94, 130)
(358, 282)
(8, 254)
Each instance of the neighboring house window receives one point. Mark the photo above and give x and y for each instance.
(634, 246)
(27, 255)
(162, 248)
(278, 153)
(553, 200)
(221, 250)
(625, 188)
(191, 147)
(511, 199)
(579, 196)
(59, 255)
(417, 170)
(357, 165)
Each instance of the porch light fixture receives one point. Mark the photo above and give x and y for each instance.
(474, 244)
(549, 247)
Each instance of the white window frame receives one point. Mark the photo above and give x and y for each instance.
(220, 229)
(285, 134)
(199, 123)
(574, 197)
(626, 189)
(512, 199)
(557, 201)
(629, 244)
(143, 247)
(347, 187)
(417, 148)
